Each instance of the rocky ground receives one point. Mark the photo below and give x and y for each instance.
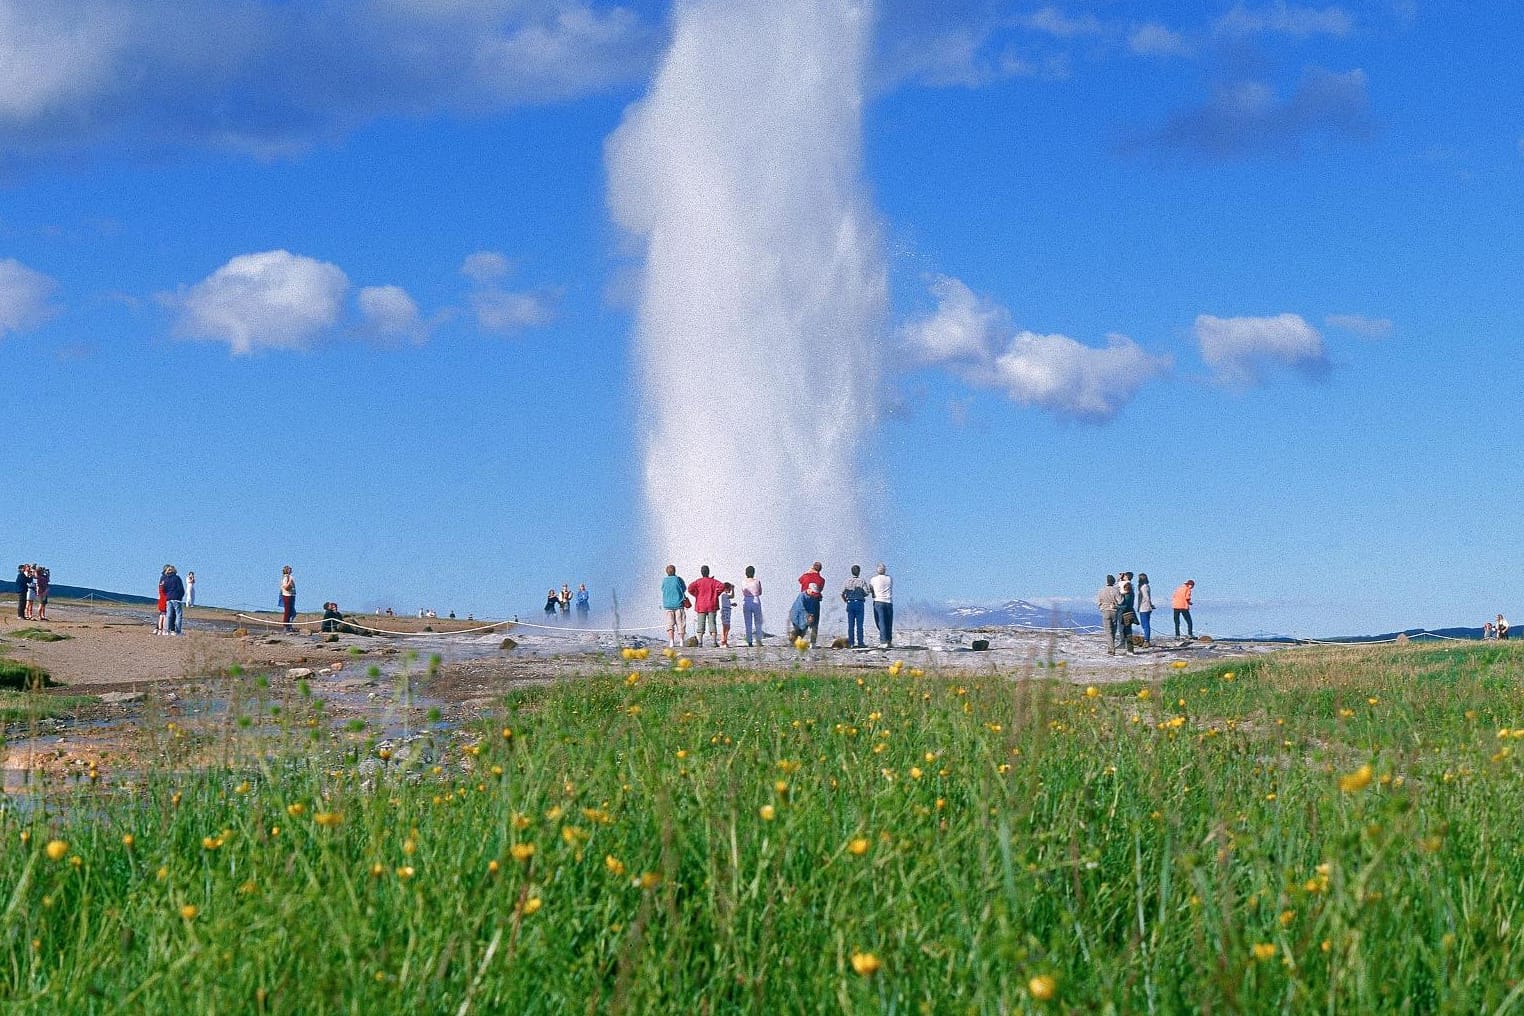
(125, 684)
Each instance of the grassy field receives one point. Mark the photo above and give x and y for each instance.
(1338, 830)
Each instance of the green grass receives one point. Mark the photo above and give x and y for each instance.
(17, 707)
(19, 676)
(1211, 845)
(39, 634)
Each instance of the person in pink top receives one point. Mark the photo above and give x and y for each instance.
(751, 606)
(705, 591)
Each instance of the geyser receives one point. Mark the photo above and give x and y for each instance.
(761, 294)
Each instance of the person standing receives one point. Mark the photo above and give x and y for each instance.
(583, 603)
(812, 578)
(23, 581)
(41, 580)
(855, 595)
(1181, 603)
(31, 591)
(160, 624)
(1126, 615)
(190, 589)
(706, 604)
(673, 593)
(751, 606)
(1106, 600)
(566, 600)
(288, 597)
(1502, 627)
(727, 604)
(881, 588)
(552, 604)
(1145, 607)
(174, 595)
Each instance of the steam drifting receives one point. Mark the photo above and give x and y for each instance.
(762, 289)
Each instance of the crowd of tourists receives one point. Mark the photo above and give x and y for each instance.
(32, 581)
(1125, 603)
(561, 604)
(712, 601)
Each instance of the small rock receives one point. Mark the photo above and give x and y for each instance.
(119, 697)
(693, 642)
(332, 637)
(1203, 638)
(299, 673)
(980, 645)
(840, 643)
(240, 633)
(508, 644)
(337, 666)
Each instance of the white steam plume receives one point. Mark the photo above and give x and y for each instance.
(762, 292)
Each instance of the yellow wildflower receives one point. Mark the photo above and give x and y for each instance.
(1043, 987)
(521, 851)
(56, 850)
(1353, 783)
(865, 964)
(1264, 951)
(858, 846)
(768, 812)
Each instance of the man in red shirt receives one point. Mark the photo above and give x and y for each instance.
(706, 604)
(812, 578)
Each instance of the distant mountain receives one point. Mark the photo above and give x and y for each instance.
(58, 592)
(1011, 613)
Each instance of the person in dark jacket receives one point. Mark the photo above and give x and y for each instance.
(174, 598)
(23, 580)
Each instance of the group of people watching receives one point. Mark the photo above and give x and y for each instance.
(1498, 630)
(1124, 603)
(564, 602)
(175, 594)
(32, 582)
(713, 602)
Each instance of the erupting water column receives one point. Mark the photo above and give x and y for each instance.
(762, 291)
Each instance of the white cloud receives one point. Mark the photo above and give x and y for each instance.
(270, 300)
(1239, 350)
(486, 266)
(1157, 40)
(1053, 21)
(1282, 18)
(498, 309)
(388, 312)
(25, 297)
(271, 78)
(1065, 377)
(1371, 328)
(964, 328)
(971, 335)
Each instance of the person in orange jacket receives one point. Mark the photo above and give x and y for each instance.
(1182, 604)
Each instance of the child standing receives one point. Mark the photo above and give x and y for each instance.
(159, 626)
(727, 601)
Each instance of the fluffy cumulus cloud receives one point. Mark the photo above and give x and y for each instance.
(271, 300)
(269, 77)
(25, 297)
(1370, 327)
(1068, 378)
(972, 336)
(1240, 350)
(965, 328)
(497, 308)
(389, 313)
(1245, 118)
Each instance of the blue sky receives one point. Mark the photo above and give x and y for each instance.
(1229, 291)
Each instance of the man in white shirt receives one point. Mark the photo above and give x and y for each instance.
(881, 588)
